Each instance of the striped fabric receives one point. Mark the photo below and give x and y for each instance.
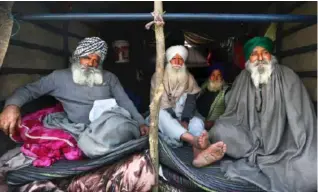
(91, 45)
(179, 181)
(64, 168)
(209, 178)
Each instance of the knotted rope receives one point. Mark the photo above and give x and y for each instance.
(158, 20)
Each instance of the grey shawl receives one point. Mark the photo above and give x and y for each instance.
(103, 135)
(272, 134)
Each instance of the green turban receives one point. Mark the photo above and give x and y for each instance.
(264, 42)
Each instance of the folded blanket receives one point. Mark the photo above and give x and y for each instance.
(44, 144)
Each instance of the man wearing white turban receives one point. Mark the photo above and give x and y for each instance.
(177, 122)
(77, 88)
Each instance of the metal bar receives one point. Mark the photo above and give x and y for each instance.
(45, 49)
(299, 50)
(172, 17)
(296, 28)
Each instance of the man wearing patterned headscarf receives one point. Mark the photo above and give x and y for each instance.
(78, 88)
(269, 126)
(87, 61)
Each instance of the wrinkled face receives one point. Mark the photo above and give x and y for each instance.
(215, 81)
(260, 65)
(216, 75)
(260, 54)
(177, 61)
(91, 60)
(87, 70)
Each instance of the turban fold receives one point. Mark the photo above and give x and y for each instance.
(173, 50)
(214, 66)
(91, 45)
(264, 42)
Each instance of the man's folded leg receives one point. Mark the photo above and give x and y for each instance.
(170, 126)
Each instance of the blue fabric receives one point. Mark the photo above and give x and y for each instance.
(134, 98)
(216, 65)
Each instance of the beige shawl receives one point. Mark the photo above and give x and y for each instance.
(172, 94)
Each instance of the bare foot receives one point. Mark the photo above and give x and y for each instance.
(212, 154)
(203, 140)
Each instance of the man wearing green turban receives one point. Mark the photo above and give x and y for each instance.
(269, 126)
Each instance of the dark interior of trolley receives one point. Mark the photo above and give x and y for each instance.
(36, 48)
(214, 41)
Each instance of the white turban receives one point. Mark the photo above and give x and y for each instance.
(173, 50)
(91, 45)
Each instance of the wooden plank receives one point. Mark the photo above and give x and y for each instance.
(279, 40)
(301, 38)
(45, 49)
(65, 42)
(307, 8)
(311, 86)
(302, 62)
(307, 74)
(156, 95)
(55, 30)
(296, 28)
(292, 7)
(10, 70)
(299, 50)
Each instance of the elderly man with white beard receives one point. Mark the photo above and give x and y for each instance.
(177, 122)
(77, 88)
(269, 126)
(212, 97)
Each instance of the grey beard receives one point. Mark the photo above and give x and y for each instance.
(261, 70)
(89, 76)
(214, 86)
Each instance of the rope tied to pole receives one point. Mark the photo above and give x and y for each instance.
(158, 20)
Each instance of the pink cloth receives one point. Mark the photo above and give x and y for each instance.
(45, 144)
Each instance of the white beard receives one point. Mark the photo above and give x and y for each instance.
(261, 71)
(176, 76)
(215, 86)
(86, 76)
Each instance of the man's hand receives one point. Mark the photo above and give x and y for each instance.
(144, 129)
(185, 124)
(208, 125)
(10, 118)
